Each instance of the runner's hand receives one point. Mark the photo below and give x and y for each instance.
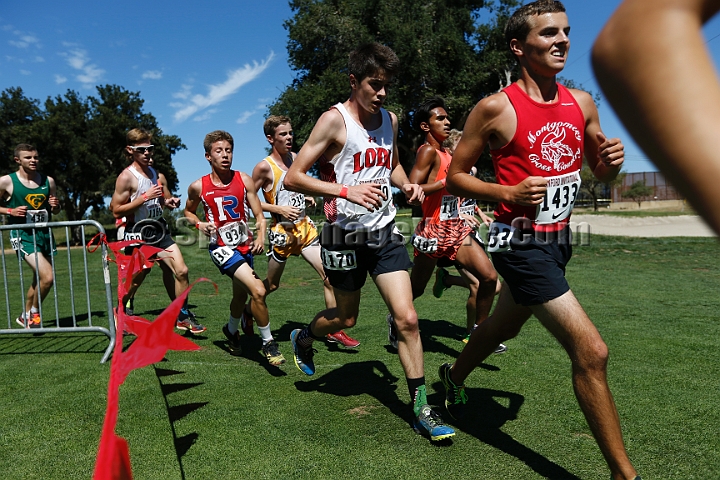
(611, 151)
(485, 219)
(291, 213)
(470, 220)
(530, 191)
(414, 193)
(156, 191)
(172, 203)
(53, 201)
(19, 211)
(207, 228)
(257, 246)
(368, 195)
(310, 201)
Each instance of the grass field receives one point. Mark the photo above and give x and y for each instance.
(209, 415)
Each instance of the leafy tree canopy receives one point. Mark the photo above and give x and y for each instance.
(81, 141)
(445, 48)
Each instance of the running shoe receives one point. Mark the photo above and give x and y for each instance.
(429, 423)
(130, 306)
(343, 339)
(34, 321)
(246, 321)
(502, 348)
(439, 285)
(21, 320)
(272, 353)
(392, 331)
(455, 396)
(303, 356)
(233, 341)
(186, 321)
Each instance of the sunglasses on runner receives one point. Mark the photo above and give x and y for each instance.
(149, 149)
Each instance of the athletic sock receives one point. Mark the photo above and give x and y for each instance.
(265, 333)
(418, 393)
(233, 324)
(305, 338)
(33, 310)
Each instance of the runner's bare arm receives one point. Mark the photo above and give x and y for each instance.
(168, 199)
(412, 191)
(5, 192)
(260, 224)
(52, 197)
(664, 88)
(262, 178)
(426, 162)
(191, 206)
(487, 119)
(604, 156)
(327, 138)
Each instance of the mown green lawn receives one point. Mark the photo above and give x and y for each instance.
(209, 415)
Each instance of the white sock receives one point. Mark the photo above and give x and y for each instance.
(233, 325)
(33, 310)
(265, 333)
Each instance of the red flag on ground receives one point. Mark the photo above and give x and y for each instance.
(153, 341)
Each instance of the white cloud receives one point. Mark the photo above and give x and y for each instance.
(245, 116)
(25, 72)
(60, 79)
(79, 60)
(152, 75)
(221, 92)
(39, 59)
(183, 94)
(205, 116)
(24, 40)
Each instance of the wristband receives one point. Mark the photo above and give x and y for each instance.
(197, 225)
(9, 211)
(144, 197)
(343, 191)
(443, 181)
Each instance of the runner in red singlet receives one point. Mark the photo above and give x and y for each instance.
(537, 132)
(223, 194)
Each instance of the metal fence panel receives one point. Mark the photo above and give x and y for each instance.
(79, 284)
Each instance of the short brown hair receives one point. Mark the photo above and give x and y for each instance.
(372, 58)
(217, 136)
(138, 135)
(23, 147)
(273, 122)
(518, 26)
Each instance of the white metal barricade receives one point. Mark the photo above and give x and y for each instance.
(77, 285)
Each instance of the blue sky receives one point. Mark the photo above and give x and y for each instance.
(200, 68)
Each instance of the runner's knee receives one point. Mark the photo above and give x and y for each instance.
(593, 356)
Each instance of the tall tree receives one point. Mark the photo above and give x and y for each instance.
(591, 187)
(17, 113)
(445, 48)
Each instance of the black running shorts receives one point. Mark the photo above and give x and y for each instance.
(534, 268)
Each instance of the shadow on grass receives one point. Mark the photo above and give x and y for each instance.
(251, 346)
(432, 329)
(52, 343)
(182, 444)
(486, 427)
(370, 377)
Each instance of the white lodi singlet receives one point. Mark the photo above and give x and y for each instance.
(366, 157)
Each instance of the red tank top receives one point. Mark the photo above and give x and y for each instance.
(548, 142)
(442, 199)
(225, 207)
